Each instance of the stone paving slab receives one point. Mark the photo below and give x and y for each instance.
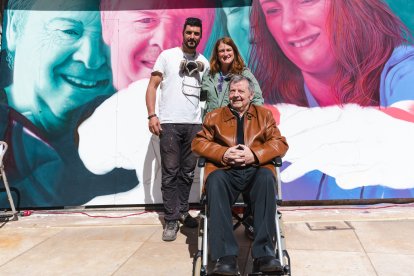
(71, 257)
(349, 240)
(14, 242)
(347, 213)
(391, 237)
(392, 264)
(299, 236)
(338, 263)
(131, 233)
(158, 259)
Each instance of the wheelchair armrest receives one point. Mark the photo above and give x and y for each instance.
(201, 162)
(278, 161)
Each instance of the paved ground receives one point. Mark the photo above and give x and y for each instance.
(341, 240)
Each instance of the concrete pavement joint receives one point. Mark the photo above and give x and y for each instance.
(365, 252)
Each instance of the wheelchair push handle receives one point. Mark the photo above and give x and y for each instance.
(278, 161)
(201, 162)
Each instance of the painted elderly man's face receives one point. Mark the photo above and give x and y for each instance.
(60, 63)
(137, 37)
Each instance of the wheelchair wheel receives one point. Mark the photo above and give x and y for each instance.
(198, 269)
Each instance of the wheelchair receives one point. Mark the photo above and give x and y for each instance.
(200, 260)
(13, 214)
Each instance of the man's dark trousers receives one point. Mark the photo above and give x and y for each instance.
(223, 188)
(177, 166)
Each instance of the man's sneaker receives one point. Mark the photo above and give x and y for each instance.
(187, 220)
(170, 230)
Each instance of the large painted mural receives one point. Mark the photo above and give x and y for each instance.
(338, 76)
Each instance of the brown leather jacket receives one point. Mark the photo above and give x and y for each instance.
(219, 133)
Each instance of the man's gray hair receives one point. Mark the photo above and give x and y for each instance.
(19, 10)
(239, 78)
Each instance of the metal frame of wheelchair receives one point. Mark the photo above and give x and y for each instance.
(6, 215)
(200, 260)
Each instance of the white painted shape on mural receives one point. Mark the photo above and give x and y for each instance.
(359, 146)
(117, 136)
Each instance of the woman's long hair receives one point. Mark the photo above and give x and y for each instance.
(236, 67)
(363, 35)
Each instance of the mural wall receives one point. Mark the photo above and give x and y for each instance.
(338, 75)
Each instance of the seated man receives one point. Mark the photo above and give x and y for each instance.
(240, 141)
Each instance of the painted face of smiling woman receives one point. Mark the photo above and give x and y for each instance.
(60, 62)
(299, 28)
(238, 24)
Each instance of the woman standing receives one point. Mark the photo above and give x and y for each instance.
(225, 61)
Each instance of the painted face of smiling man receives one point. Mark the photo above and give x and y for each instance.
(137, 36)
(136, 39)
(60, 61)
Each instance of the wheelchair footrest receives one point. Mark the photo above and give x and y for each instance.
(265, 274)
(214, 274)
(6, 215)
(286, 271)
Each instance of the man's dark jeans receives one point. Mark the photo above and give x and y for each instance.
(178, 163)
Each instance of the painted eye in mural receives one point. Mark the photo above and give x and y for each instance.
(65, 30)
(234, 10)
(308, 1)
(146, 23)
(271, 8)
(71, 32)
(271, 11)
(65, 36)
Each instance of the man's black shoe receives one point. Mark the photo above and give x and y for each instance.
(267, 264)
(187, 220)
(226, 265)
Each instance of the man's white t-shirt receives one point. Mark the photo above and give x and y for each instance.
(179, 101)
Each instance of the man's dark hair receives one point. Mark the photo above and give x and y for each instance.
(193, 21)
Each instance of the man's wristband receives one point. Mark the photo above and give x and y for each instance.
(152, 116)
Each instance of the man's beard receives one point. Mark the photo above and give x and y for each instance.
(194, 42)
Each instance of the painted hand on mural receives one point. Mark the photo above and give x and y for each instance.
(116, 135)
(357, 146)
